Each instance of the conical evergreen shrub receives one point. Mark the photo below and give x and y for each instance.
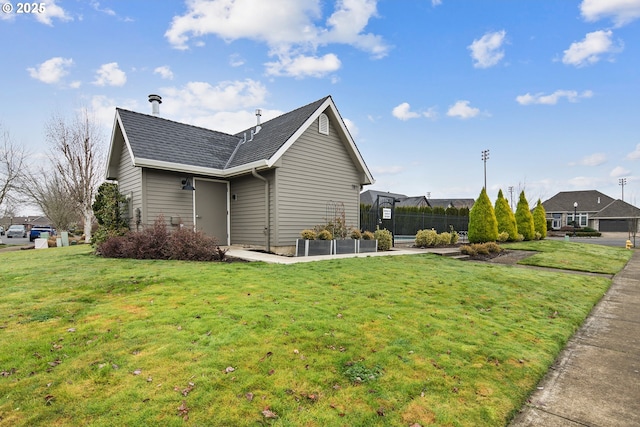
(540, 220)
(483, 226)
(524, 219)
(506, 219)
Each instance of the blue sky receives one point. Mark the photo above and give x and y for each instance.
(549, 87)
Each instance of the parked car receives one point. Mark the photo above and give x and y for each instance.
(35, 232)
(17, 230)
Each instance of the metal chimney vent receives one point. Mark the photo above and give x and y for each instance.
(155, 101)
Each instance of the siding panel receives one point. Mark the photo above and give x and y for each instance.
(315, 171)
(165, 196)
(130, 184)
(247, 211)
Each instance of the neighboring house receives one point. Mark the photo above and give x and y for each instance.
(370, 197)
(259, 187)
(28, 221)
(592, 209)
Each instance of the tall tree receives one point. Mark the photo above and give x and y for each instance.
(12, 166)
(504, 216)
(524, 219)
(52, 196)
(76, 156)
(540, 220)
(483, 226)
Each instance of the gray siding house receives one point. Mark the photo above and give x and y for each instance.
(592, 209)
(257, 188)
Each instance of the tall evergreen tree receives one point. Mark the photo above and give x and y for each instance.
(524, 219)
(540, 220)
(483, 226)
(504, 216)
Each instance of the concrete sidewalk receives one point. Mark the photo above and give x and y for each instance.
(595, 381)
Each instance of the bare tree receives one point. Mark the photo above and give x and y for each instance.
(12, 164)
(76, 156)
(52, 196)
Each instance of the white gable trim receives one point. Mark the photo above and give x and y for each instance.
(190, 169)
(328, 103)
(117, 123)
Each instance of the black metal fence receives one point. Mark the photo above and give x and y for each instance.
(408, 223)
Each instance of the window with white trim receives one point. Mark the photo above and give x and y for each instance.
(323, 124)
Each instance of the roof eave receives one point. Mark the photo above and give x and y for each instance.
(200, 170)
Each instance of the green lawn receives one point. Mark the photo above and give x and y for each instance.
(387, 341)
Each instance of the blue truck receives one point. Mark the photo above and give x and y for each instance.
(35, 232)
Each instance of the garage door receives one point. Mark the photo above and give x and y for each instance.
(614, 225)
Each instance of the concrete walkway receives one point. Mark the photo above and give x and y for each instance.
(595, 381)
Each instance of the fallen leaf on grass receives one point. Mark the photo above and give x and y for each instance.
(249, 396)
(269, 414)
(137, 372)
(183, 411)
(229, 369)
(48, 399)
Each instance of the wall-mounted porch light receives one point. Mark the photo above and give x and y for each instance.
(187, 184)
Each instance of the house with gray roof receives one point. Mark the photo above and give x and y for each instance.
(592, 209)
(259, 187)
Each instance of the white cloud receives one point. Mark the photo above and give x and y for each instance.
(52, 70)
(236, 60)
(585, 182)
(164, 71)
(486, 51)
(292, 29)
(619, 171)
(595, 159)
(552, 99)
(105, 10)
(403, 112)
(110, 75)
(590, 50)
(227, 107)
(462, 110)
(635, 154)
(51, 11)
(620, 11)
(435, 3)
(304, 66)
(353, 129)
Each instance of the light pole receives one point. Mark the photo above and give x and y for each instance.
(575, 208)
(511, 196)
(485, 157)
(622, 182)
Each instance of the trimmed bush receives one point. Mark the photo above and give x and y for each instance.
(503, 237)
(524, 219)
(506, 219)
(454, 237)
(356, 234)
(384, 238)
(540, 221)
(368, 235)
(425, 238)
(308, 234)
(444, 239)
(324, 235)
(483, 226)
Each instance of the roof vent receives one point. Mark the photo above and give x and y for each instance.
(258, 127)
(598, 200)
(155, 101)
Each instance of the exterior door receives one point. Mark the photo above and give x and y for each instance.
(211, 209)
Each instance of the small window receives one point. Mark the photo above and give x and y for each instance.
(323, 124)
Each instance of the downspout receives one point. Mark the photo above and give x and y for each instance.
(266, 208)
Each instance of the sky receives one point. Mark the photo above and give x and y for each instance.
(550, 88)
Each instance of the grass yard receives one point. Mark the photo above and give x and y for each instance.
(387, 341)
(573, 256)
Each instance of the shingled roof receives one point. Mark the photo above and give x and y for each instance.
(618, 209)
(161, 140)
(588, 201)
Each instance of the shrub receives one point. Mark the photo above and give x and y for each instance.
(524, 219)
(425, 238)
(443, 239)
(540, 221)
(109, 209)
(537, 236)
(520, 238)
(493, 247)
(356, 234)
(483, 226)
(503, 237)
(324, 235)
(308, 234)
(506, 219)
(469, 250)
(368, 235)
(157, 242)
(454, 236)
(384, 238)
